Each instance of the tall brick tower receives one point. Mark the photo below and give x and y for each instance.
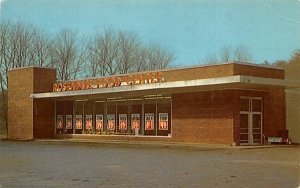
(29, 118)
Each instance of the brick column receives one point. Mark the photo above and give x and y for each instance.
(21, 83)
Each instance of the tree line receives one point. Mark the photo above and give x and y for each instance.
(103, 53)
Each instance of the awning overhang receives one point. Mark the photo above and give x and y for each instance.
(238, 81)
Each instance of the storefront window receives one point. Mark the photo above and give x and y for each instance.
(122, 113)
(60, 113)
(88, 117)
(164, 115)
(68, 117)
(79, 108)
(148, 115)
(111, 116)
(100, 106)
(136, 115)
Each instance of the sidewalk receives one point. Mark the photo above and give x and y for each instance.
(155, 144)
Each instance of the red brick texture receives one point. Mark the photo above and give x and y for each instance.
(24, 120)
(20, 106)
(203, 117)
(213, 116)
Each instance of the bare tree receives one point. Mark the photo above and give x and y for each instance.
(225, 54)
(212, 59)
(121, 52)
(127, 52)
(40, 50)
(67, 55)
(242, 53)
(102, 53)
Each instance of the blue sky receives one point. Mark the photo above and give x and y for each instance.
(191, 29)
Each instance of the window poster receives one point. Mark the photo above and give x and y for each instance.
(135, 121)
(123, 121)
(163, 121)
(78, 122)
(111, 122)
(149, 121)
(59, 121)
(69, 121)
(88, 121)
(99, 122)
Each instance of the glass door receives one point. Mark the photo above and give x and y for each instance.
(250, 121)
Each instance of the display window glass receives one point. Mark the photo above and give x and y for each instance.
(78, 122)
(88, 117)
(136, 111)
(79, 108)
(149, 116)
(130, 116)
(164, 115)
(244, 105)
(111, 116)
(122, 113)
(59, 122)
(99, 123)
(111, 122)
(60, 113)
(69, 122)
(99, 111)
(123, 122)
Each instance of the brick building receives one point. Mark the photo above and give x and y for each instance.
(232, 103)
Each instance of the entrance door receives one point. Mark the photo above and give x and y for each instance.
(250, 121)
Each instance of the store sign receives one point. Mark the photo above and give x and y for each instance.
(88, 122)
(135, 121)
(136, 79)
(163, 121)
(111, 122)
(149, 121)
(123, 122)
(99, 122)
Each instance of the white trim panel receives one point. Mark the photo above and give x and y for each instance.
(175, 84)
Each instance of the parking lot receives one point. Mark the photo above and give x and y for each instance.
(46, 164)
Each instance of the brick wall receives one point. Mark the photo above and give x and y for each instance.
(20, 106)
(44, 109)
(203, 117)
(22, 113)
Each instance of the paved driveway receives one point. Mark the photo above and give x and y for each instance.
(34, 164)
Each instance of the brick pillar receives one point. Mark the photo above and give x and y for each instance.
(21, 83)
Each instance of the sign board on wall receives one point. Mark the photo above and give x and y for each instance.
(135, 121)
(78, 122)
(69, 121)
(123, 121)
(99, 122)
(136, 79)
(88, 121)
(111, 122)
(149, 121)
(59, 121)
